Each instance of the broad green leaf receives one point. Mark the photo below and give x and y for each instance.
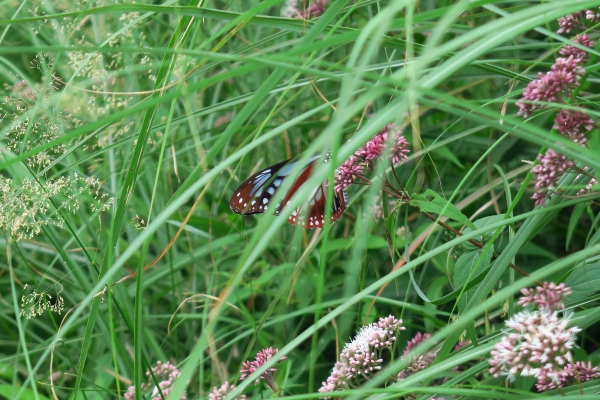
(444, 152)
(573, 219)
(438, 205)
(480, 223)
(584, 281)
(9, 391)
(532, 249)
(465, 268)
(376, 242)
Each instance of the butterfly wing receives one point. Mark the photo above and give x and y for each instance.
(254, 195)
(311, 214)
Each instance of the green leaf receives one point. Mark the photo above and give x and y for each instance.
(584, 281)
(376, 242)
(481, 223)
(9, 391)
(444, 152)
(439, 206)
(466, 267)
(532, 249)
(575, 216)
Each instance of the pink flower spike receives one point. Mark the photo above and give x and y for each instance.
(563, 76)
(573, 125)
(548, 172)
(344, 175)
(316, 8)
(569, 50)
(567, 22)
(414, 342)
(375, 147)
(249, 367)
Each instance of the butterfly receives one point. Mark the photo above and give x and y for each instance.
(254, 195)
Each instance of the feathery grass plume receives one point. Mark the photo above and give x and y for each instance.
(248, 367)
(35, 303)
(166, 374)
(31, 126)
(101, 71)
(27, 203)
(223, 391)
(363, 355)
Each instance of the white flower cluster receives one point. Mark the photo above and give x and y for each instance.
(35, 304)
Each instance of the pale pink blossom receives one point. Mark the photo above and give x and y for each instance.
(363, 355)
(572, 373)
(165, 374)
(223, 391)
(537, 344)
(549, 296)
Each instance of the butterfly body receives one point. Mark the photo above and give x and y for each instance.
(254, 195)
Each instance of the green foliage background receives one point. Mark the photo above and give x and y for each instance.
(172, 105)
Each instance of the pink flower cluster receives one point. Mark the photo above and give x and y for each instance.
(573, 125)
(249, 367)
(569, 21)
(419, 363)
(388, 136)
(224, 390)
(570, 374)
(576, 20)
(562, 78)
(316, 8)
(538, 344)
(549, 296)
(165, 373)
(583, 40)
(414, 342)
(550, 168)
(362, 356)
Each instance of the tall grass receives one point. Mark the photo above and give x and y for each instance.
(125, 129)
